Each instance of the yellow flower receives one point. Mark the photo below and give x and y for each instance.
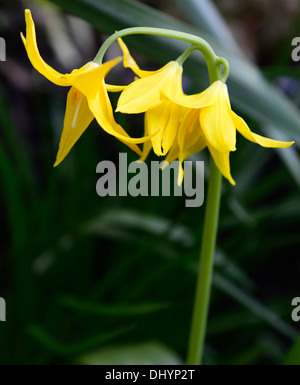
(144, 95)
(210, 119)
(86, 99)
(187, 123)
(180, 134)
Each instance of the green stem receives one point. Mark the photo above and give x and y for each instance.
(181, 59)
(200, 313)
(197, 42)
(205, 272)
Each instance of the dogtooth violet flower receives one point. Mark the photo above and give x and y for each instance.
(143, 95)
(187, 123)
(211, 112)
(87, 99)
(180, 133)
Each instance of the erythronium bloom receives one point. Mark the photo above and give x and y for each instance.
(180, 132)
(86, 99)
(216, 126)
(144, 95)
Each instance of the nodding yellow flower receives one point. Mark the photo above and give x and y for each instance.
(144, 95)
(215, 124)
(86, 100)
(186, 124)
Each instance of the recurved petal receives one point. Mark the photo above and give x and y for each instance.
(34, 54)
(144, 93)
(243, 129)
(217, 125)
(129, 62)
(77, 118)
(221, 160)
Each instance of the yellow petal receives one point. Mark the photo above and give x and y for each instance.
(129, 62)
(163, 118)
(221, 160)
(243, 129)
(146, 150)
(155, 119)
(102, 110)
(189, 130)
(77, 118)
(216, 123)
(171, 126)
(144, 93)
(172, 154)
(195, 148)
(203, 99)
(173, 114)
(180, 174)
(176, 153)
(88, 79)
(35, 57)
(198, 146)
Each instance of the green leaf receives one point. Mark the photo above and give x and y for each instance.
(115, 310)
(50, 343)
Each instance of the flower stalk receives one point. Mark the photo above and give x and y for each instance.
(207, 251)
(205, 270)
(197, 44)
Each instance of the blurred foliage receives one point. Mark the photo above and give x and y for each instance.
(90, 279)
